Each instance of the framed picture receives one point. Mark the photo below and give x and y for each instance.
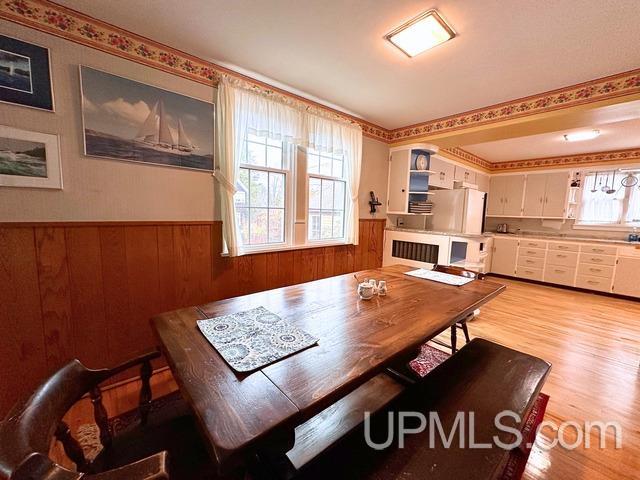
(25, 76)
(128, 120)
(29, 159)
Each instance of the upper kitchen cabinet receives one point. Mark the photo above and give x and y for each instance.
(546, 195)
(505, 195)
(409, 175)
(443, 173)
(463, 174)
(482, 181)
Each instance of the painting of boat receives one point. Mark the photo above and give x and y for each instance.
(128, 120)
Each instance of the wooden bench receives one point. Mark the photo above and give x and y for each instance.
(483, 378)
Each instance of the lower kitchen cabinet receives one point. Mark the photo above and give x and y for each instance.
(627, 276)
(591, 266)
(505, 253)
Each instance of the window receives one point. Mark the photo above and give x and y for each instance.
(326, 196)
(620, 207)
(261, 198)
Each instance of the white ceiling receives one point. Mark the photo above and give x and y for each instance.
(334, 49)
(613, 136)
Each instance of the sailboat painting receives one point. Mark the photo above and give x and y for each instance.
(128, 120)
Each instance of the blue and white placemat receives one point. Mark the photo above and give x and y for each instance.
(254, 338)
(440, 277)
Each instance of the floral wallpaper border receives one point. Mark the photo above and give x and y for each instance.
(468, 157)
(617, 156)
(75, 26)
(626, 83)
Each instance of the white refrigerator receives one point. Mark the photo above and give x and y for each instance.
(460, 210)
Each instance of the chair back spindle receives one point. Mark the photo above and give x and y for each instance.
(145, 391)
(72, 448)
(101, 417)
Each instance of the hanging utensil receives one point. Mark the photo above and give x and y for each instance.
(612, 190)
(629, 181)
(605, 187)
(595, 181)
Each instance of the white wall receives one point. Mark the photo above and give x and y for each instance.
(110, 190)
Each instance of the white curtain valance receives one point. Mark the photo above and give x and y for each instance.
(246, 108)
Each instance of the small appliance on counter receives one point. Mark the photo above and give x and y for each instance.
(502, 228)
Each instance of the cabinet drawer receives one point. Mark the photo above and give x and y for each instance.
(567, 259)
(559, 275)
(564, 247)
(531, 252)
(599, 249)
(530, 273)
(604, 271)
(597, 259)
(533, 244)
(594, 283)
(531, 262)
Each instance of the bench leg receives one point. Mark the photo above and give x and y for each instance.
(454, 339)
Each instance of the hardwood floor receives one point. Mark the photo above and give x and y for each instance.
(593, 342)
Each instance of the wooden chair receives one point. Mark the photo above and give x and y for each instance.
(27, 432)
(462, 324)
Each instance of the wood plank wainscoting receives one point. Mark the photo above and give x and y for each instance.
(87, 290)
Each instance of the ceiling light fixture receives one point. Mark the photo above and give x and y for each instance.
(421, 33)
(580, 136)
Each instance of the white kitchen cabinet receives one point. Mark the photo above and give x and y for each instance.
(482, 181)
(534, 195)
(514, 189)
(555, 198)
(463, 174)
(627, 276)
(546, 195)
(505, 254)
(397, 196)
(505, 195)
(495, 200)
(444, 173)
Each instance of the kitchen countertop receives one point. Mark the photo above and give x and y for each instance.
(567, 238)
(540, 235)
(434, 232)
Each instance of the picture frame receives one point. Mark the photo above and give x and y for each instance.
(29, 159)
(25, 74)
(128, 120)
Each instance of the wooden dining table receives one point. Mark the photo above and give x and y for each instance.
(298, 406)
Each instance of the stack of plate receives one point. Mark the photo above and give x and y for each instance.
(420, 207)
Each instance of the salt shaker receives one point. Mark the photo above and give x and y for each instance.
(382, 288)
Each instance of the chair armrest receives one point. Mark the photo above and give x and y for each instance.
(147, 357)
(150, 468)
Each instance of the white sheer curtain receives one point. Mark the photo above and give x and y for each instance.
(244, 108)
(598, 206)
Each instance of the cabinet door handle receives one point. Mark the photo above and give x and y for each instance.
(595, 269)
(546, 199)
(540, 199)
(593, 282)
(532, 253)
(561, 256)
(530, 261)
(562, 247)
(597, 250)
(561, 271)
(593, 259)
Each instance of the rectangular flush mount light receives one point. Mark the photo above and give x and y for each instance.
(421, 33)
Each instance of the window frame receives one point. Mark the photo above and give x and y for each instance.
(333, 240)
(289, 171)
(622, 224)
